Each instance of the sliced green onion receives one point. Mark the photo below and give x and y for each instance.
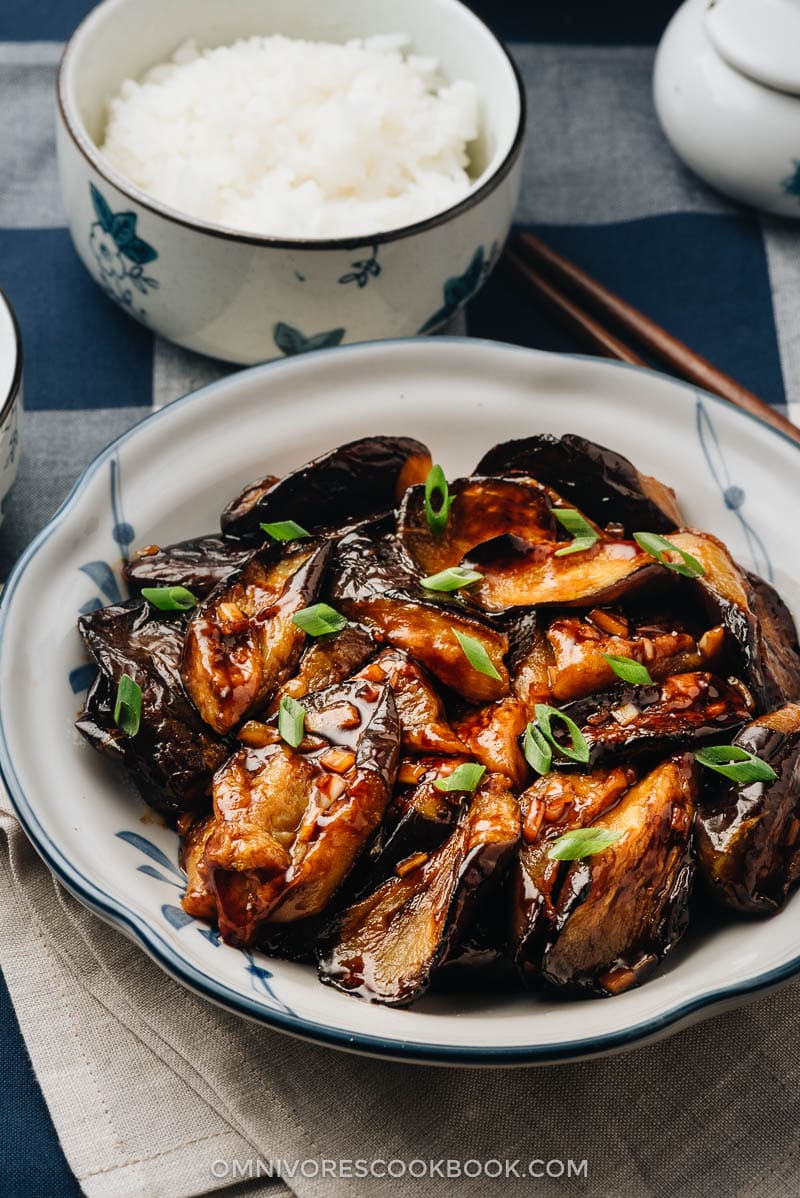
(464, 777)
(735, 763)
(657, 546)
(537, 749)
(451, 580)
(578, 528)
(577, 750)
(436, 488)
(291, 721)
(285, 530)
(629, 670)
(581, 842)
(319, 620)
(170, 598)
(477, 656)
(128, 705)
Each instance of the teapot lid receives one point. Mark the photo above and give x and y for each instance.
(760, 38)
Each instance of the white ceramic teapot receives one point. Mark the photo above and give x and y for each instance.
(727, 93)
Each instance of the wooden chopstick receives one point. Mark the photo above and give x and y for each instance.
(584, 326)
(546, 272)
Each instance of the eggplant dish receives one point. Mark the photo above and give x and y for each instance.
(512, 729)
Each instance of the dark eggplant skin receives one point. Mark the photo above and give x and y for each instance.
(289, 824)
(348, 484)
(679, 711)
(622, 910)
(373, 580)
(555, 804)
(200, 565)
(241, 644)
(600, 482)
(385, 947)
(427, 815)
(778, 649)
(748, 835)
(327, 660)
(174, 755)
(482, 509)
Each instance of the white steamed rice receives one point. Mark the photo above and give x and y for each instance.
(297, 139)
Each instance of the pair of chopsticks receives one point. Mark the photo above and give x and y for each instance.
(598, 318)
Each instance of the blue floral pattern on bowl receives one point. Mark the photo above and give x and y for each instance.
(791, 184)
(121, 255)
(460, 288)
(291, 341)
(363, 270)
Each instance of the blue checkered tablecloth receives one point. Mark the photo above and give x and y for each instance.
(601, 185)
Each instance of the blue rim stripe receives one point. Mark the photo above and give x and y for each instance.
(160, 950)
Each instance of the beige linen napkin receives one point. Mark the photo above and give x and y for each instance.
(157, 1093)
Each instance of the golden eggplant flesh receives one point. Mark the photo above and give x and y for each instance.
(619, 912)
(386, 946)
(289, 824)
(241, 643)
(748, 833)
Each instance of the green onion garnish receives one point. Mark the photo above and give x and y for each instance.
(464, 777)
(319, 620)
(577, 750)
(128, 705)
(735, 763)
(477, 656)
(581, 842)
(538, 750)
(657, 546)
(451, 580)
(436, 487)
(629, 670)
(578, 528)
(285, 530)
(291, 721)
(170, 598)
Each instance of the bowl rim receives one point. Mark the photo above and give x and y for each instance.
(139, 929)
(8, 401)
(74, 127)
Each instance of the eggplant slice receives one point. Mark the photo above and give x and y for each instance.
(552, 806)
(241, 644)
(289, 824)
(600, 482)
(173, 755)
(492, 734)
(373, 581)
(200, 565)
(482, 508)
(778, 650)
(346, 485)
(578, 647)
(669, 715)
(622, 910)
(748, 834)
(386, 946)
(423, 720)
(519, 574)
(327, 660)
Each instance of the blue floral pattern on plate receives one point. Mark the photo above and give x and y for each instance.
(121, 255)
(291, 341)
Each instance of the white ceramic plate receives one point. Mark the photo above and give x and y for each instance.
(169, 478)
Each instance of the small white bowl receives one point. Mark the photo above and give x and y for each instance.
(726, 84)
(247, 297)
(10, 399)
